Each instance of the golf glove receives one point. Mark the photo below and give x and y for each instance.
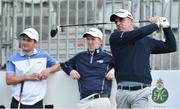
(164, 23)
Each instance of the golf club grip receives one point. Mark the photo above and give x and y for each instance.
(62, 64)
(22, 85)
(142, 21)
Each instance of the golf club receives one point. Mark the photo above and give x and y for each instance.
(55, 29)
(20, 94)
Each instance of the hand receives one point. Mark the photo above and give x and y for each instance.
(155, 20)
(110, 74)
(74, 74)
(33, 77)
(44, 74)
(164, 23)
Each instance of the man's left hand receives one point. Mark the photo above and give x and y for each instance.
(110, 74)
(164, 23)
(44, 74)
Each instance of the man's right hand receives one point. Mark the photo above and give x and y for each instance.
(74, 74)
(155, 20)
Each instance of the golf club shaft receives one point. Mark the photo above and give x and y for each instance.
(89, 24)
(56, 28)
(20, 94)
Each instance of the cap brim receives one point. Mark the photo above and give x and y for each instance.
(112, 18)
(27, 34)
(87, 33)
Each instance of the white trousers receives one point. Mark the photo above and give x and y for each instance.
(98, 103)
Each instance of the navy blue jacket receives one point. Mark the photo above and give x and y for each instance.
(131, 52)
(92, 69)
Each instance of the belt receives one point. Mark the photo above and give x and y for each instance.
(131, 88)
(99, 96)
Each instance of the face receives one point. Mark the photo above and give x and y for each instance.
(124, 24)
(93, 42)
(27, 44)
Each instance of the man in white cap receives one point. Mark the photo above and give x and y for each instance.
(27, 71)
(94, 71)
(131, 49)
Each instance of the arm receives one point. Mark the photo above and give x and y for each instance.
(69, 68)
(52, 67)
(165, 47)
(12, 79)
(45, 73)
(125, 37)
(111, 72)
(69, 65)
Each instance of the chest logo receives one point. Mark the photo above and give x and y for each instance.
(100, 61)
(39, 62)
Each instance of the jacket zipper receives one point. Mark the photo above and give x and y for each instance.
(91, 60)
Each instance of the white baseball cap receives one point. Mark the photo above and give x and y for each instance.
(94, 32)
(122, 13)
(31, 33)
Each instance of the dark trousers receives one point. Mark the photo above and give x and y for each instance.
(14, 104)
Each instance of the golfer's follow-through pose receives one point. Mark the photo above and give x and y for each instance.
(131, 49)
(27, 72)
(94, 71)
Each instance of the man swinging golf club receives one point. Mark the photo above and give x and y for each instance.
(131, 49)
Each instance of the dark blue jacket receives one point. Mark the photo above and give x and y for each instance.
(92, 69)
(131, 51)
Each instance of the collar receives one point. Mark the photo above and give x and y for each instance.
(98, 50)
(23, 54)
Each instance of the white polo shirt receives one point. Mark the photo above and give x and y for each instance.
(21, 64)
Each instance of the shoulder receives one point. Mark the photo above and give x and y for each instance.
(80, 54)
(116, 33)
(14, 57)
(43, 53)
(107, 52)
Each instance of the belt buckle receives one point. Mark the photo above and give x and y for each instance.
(138, 87)
(142, 86)
(129, 88)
